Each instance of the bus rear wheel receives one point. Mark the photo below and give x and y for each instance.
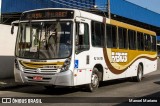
(139, 76)
(93, 86)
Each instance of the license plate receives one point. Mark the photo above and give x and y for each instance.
(38, 78)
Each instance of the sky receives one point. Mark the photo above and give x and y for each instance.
(153, 5)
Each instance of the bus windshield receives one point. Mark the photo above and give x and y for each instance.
(44, 40)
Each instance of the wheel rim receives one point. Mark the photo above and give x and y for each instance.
(94, 80)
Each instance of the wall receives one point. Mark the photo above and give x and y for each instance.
(7, 45)
(11, 6)
(129, 10)
(0, 9)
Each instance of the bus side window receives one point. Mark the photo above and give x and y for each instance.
(122, 34)
(82, 41)
(132, 39)
(111, 32)
(140, 41)
(147, 42)
(154, 47)
(97, 34)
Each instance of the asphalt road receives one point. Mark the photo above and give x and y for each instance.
(116, 92)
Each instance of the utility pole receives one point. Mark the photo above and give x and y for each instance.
(109, 8)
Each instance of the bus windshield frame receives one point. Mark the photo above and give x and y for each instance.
(44, 39)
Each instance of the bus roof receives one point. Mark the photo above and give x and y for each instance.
(132, 27)
(99, 18)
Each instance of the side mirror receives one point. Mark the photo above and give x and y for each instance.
(14, 23)
(81, 29)
(12, 29)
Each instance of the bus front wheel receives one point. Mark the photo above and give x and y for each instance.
(93, 86)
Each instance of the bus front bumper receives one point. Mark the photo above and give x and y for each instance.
(62, 79)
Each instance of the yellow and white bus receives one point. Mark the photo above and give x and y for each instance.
(70, 47)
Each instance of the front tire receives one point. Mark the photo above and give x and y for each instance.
(93, 86)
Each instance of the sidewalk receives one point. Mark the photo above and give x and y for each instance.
(8, 83)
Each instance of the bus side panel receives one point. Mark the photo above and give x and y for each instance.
(150, 66)
(81, 73)
(82, 76)
(132, 69)
(86, 62)
(98, 58)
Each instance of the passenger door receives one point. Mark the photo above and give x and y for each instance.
(82, 55)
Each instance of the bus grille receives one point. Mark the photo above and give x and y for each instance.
(48, 71)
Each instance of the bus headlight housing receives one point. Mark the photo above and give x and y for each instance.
(66, 65)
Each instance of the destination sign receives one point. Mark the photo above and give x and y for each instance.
(48, 14)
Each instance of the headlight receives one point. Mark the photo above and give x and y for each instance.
(66, 65)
